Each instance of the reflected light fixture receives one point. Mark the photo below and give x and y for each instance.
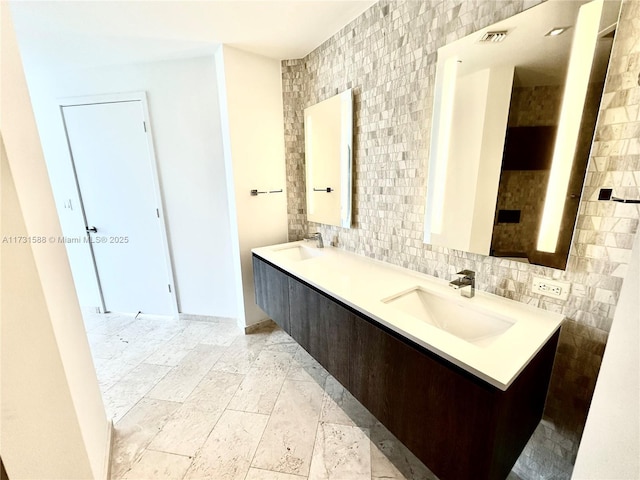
(580, 63)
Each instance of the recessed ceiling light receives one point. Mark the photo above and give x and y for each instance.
(554, 32)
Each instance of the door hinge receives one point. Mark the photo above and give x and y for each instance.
(169, 285)
(157, 213)
(144, 125)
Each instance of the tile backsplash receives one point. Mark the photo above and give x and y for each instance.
(388, 56)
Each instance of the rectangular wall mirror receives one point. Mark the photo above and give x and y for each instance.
(328, 143)
(514, 115)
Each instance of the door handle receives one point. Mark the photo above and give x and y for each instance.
(91, 229)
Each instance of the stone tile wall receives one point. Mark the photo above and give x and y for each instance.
(522, 190)
(388, 56)
(535, 106)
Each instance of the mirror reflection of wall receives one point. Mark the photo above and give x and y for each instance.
(328, 127)
(524, 126)
(533, 123)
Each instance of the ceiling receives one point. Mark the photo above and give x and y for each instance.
(89, 33)
(538, 59)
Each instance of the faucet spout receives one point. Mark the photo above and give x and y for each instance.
(316, 236)
(466, 283)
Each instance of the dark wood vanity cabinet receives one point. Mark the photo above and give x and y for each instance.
(272, 292)
(460, 426)
(322, 328)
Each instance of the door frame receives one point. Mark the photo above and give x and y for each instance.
(140, 96)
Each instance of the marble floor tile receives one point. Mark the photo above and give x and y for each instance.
(110, 371)
(258, 337)
(274, 361)
(158, 466)
(106, 346)
(342, 452)
(136, 430)
(339, 406)
(152, 328)
(171, 354)
(227, 453)
(290, 348)
(138, 351)
(238, 358)
(193, 333)
(128, 391)
(252, 407)
(224, 334)
(279, 336)
(287, 443)
(258, 392)
(190, 425)
(257, 474)
(111, 323)
(305, 368)
(178, 384)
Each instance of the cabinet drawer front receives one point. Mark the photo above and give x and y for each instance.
(322, 328)
(272, 292)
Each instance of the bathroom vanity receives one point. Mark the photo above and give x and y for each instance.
(461, 382)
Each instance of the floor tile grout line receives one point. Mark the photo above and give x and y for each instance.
(274, 471)
(147, 449)
(265, 427)
(198, 450)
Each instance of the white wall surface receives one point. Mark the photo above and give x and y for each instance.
(479, 122)
(610, 445)
(253, 134)
(465, 143)
(496, 117)
(185, 121)
(53, 423)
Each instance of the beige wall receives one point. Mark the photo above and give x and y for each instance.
(53, 419)
(250, 89)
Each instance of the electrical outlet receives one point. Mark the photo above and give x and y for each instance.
(551, 288)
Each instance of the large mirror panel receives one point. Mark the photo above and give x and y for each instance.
(328, 130)
(510, 118)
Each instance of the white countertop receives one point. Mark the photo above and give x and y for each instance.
(363, 283)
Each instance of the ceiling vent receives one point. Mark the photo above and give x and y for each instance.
(494, 37)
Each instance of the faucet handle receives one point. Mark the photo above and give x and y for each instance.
(466, 273)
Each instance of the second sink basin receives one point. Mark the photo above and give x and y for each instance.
(468, 324)
(298, 252)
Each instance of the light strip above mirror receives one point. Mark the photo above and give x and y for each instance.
(580, 64)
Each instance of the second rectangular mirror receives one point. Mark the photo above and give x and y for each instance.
(515, 108)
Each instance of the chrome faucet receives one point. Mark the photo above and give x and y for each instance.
(466, 283)
(316, 236)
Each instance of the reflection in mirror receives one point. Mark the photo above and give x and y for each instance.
(328, 131)
(500, 102)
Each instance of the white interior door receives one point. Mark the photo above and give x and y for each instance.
(117, 183)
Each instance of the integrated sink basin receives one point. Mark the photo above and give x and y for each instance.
(297, 253)
(466, 323)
